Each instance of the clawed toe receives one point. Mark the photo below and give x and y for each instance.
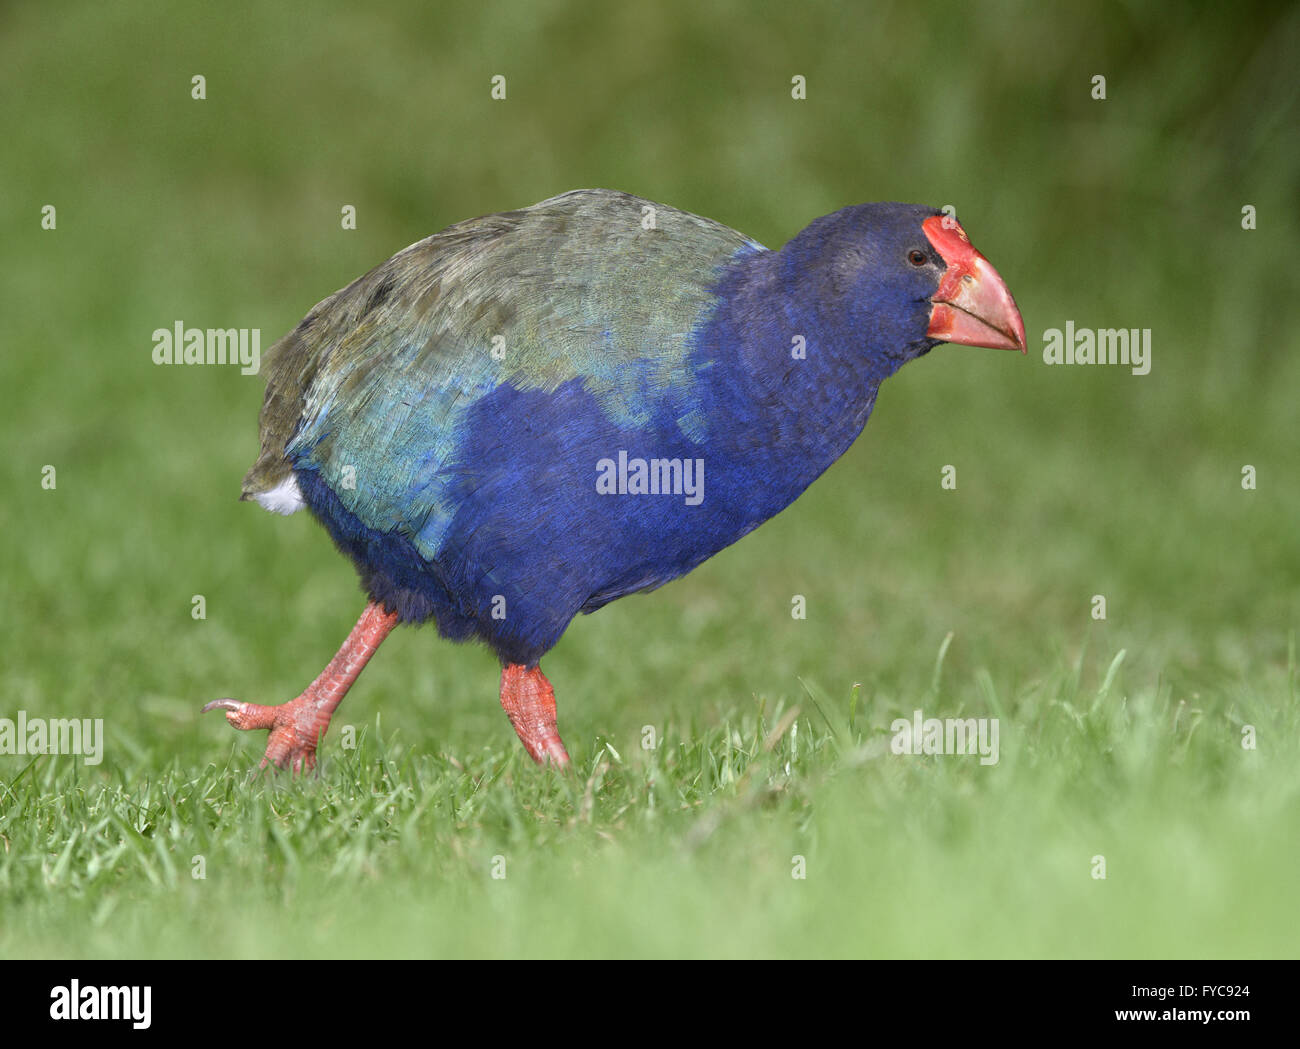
(244, 716)
(296, 728)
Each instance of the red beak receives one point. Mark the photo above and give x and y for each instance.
(973, 305)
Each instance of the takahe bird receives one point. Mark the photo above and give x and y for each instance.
(533, 413)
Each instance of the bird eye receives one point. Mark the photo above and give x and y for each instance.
(916, 257)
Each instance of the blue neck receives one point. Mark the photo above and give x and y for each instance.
(783, 419)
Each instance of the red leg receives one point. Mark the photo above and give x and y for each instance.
(297, 726)
(528, 698)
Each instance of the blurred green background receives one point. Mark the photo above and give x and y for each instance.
(1072, 481)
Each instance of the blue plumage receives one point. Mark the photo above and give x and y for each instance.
(448, 416)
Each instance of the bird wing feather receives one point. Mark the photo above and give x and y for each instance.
(594, 285)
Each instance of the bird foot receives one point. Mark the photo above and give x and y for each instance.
(529, 700)
(296, 728)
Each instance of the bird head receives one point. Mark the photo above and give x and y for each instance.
(904, 278)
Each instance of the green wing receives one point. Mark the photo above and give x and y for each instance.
(592, 284)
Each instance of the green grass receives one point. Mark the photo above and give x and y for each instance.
(772, 732)
(690, 848)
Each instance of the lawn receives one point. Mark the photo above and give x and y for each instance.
(735, 790)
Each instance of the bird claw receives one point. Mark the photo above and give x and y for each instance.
(243, 716)
(295, 727)
(529, 701)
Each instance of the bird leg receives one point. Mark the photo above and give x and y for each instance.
(297, 726)
(528, 698)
